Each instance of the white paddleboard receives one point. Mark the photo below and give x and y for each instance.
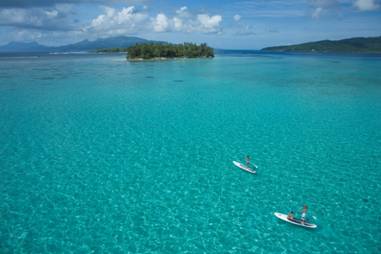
(294, 221)
(244, 167)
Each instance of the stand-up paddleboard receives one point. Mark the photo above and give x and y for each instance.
(244, 167)
(294, 221)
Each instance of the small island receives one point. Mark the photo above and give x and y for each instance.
(168, 51)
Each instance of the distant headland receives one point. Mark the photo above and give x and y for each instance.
(370, 45)
(167, 51)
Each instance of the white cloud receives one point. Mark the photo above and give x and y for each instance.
(118, 22)
(129, 20)
(185, 21)
(324, 6)
(35, 18)
(366, 5)
(160, 23)
(180, 20)
(183, 10)
(177, 23)
(237, 17)
(208, 24)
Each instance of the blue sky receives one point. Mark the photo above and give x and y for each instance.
(241, 24)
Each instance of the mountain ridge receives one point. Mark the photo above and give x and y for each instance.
(349, 45)
(84, 45)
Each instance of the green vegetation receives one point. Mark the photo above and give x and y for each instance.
(352, 45)
(157, 51)
(111, 50)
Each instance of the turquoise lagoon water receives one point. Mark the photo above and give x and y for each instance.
(99, 155)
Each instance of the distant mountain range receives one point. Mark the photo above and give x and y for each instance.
(352, 45)
(85, 45)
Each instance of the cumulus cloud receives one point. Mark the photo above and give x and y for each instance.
(181, 22)
(185, 21)
(237, 17)
(366, 5)
(177, 24)
(209, 24)
(117, 22)
(130, 20)
(160, 23)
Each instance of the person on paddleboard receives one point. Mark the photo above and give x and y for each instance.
(290, 215)
(304, 213)
(247, 159)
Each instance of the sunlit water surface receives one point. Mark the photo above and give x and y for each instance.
(105, 156)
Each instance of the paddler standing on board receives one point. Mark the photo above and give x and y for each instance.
(247, 159)
(304, 213)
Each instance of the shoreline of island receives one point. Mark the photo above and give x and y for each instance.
(167, 51)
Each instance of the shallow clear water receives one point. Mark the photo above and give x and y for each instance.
(105, 156)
